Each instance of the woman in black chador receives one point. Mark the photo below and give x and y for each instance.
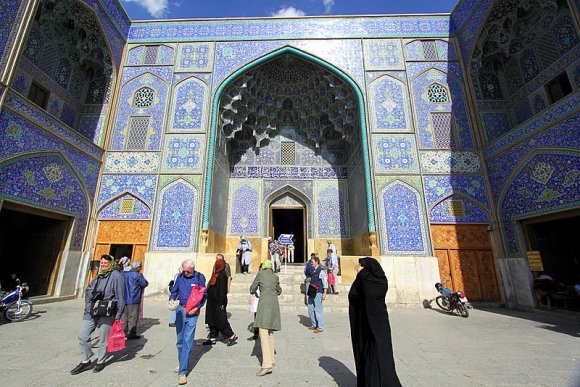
(216, 316)
(369, 327)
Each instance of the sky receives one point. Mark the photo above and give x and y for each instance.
(193, 9)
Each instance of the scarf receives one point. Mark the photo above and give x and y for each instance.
(219, 266)
(103, 273)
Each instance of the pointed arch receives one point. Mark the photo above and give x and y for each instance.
(464, 197)
(311, 58)
(185, 114)
(288, 189)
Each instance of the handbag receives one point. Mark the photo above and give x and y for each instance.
(116, 339)
(100, 307)
(303, 288)
(195, 298)
(312, 291)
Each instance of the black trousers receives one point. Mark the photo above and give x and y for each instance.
(227, 332)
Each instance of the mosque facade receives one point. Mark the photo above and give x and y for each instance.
(447, 146)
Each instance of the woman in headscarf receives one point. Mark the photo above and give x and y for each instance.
(268, 315)
(216, 316)
(369, 327)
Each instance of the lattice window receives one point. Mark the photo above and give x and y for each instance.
(151, 54)
(457, 208)
(288, 153)
(444, 130)
(143, 97)
(429, 49)
(437, 93)
(127, 206)
(138, 131)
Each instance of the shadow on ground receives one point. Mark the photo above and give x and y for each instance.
(339, 372)
(304, 320)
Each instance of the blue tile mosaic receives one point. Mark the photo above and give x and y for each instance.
(156, 111)
(395, 153)
(576, 76)
(458, 127)
(176, 221)
(548, 182)
(305, 187)
(414, 69)
(522, 111)
(163, 72)
(439, 187)
(345, 55)
(132, 162)
(245, 209)
(331, 210)
(449, 162)
(389, 104)
(284, 172)
(403, 220)
(140, 186)
(11, 12)
(442, 49)
(461, 12)
(183, 153)
(189, 106)
(113, 211)
(267, 29)
(193, 57)
(46, 180)
(468, 32)
(495, 123)
(152, 55)
(383, 54)
(471, 213)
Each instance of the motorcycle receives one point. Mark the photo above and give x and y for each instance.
(449, 300)
(12, 306)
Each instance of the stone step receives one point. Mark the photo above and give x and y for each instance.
(284, 278)
(296, 308)
(334, 299)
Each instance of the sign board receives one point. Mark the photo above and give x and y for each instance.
(535, 261)
(286, 239)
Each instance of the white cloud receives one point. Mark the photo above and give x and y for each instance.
(328, 4)
(156, 8)
(288, 12)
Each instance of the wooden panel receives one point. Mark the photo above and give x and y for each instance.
(470, 274)
(487, 275)
(124, 232)
(139, 253)
(100, 249)
(460, 236)
(444, 268)
(456, 267)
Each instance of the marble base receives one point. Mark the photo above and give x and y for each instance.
(517, 281)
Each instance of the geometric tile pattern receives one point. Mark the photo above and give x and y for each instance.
(471, 213)
(439, 187)
(245, 209)
(390, 105)
(383, 55)
(189, 104)
(140, 186)
(395, 153)
(495, 123)
(403, 220)
(443, 50)
(194, 57)
(131, 162)
(449, 162)
(113, 210)
(9, 18)
(183, 153)
(331, 211)
(176, 217)
(141, 55)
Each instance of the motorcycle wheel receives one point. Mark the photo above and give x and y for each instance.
(462, 309)
(443, 303)
(14, 313)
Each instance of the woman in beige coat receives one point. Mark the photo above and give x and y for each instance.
(268, 314)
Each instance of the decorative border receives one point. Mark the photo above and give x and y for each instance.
(362, 123)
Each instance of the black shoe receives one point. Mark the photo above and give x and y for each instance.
(232, 341)
(171, 325)
(133, 337)
(80, 368)
(98, 367)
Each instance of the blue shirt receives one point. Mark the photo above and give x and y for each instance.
(182, 287)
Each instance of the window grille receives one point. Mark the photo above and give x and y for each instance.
(151, 54)
(127, 206)
(138, 131)
(437, 93)
(429, 49)
(143, 97)
(457, 208)
(38, 95)
(288, 153)
(444, 130)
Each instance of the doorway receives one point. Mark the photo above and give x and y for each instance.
(31, 243)
(290, 221)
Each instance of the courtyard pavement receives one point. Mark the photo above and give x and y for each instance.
(494, 347)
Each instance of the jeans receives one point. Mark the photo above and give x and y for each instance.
(87, 328)
(316, 312)
(185, 329)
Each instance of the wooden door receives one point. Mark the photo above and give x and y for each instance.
(465, 258)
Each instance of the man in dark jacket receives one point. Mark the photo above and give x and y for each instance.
(134, 285)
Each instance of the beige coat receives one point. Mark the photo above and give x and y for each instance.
(268, 314)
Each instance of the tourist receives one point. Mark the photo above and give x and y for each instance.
(245, 251)
(216, 316)
(316, 292)
(369, 326)
(185, 323)
(105, 289)
(134, 285)
(331, 263)
(170, 287)
(268, 317)
(227, 269)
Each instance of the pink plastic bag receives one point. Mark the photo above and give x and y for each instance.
(195, 298)
(116, 341)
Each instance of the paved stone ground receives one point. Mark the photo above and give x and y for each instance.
(492, 347)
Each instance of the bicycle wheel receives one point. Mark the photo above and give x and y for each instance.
(18, 311)
(462, 309)
(443, 303)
